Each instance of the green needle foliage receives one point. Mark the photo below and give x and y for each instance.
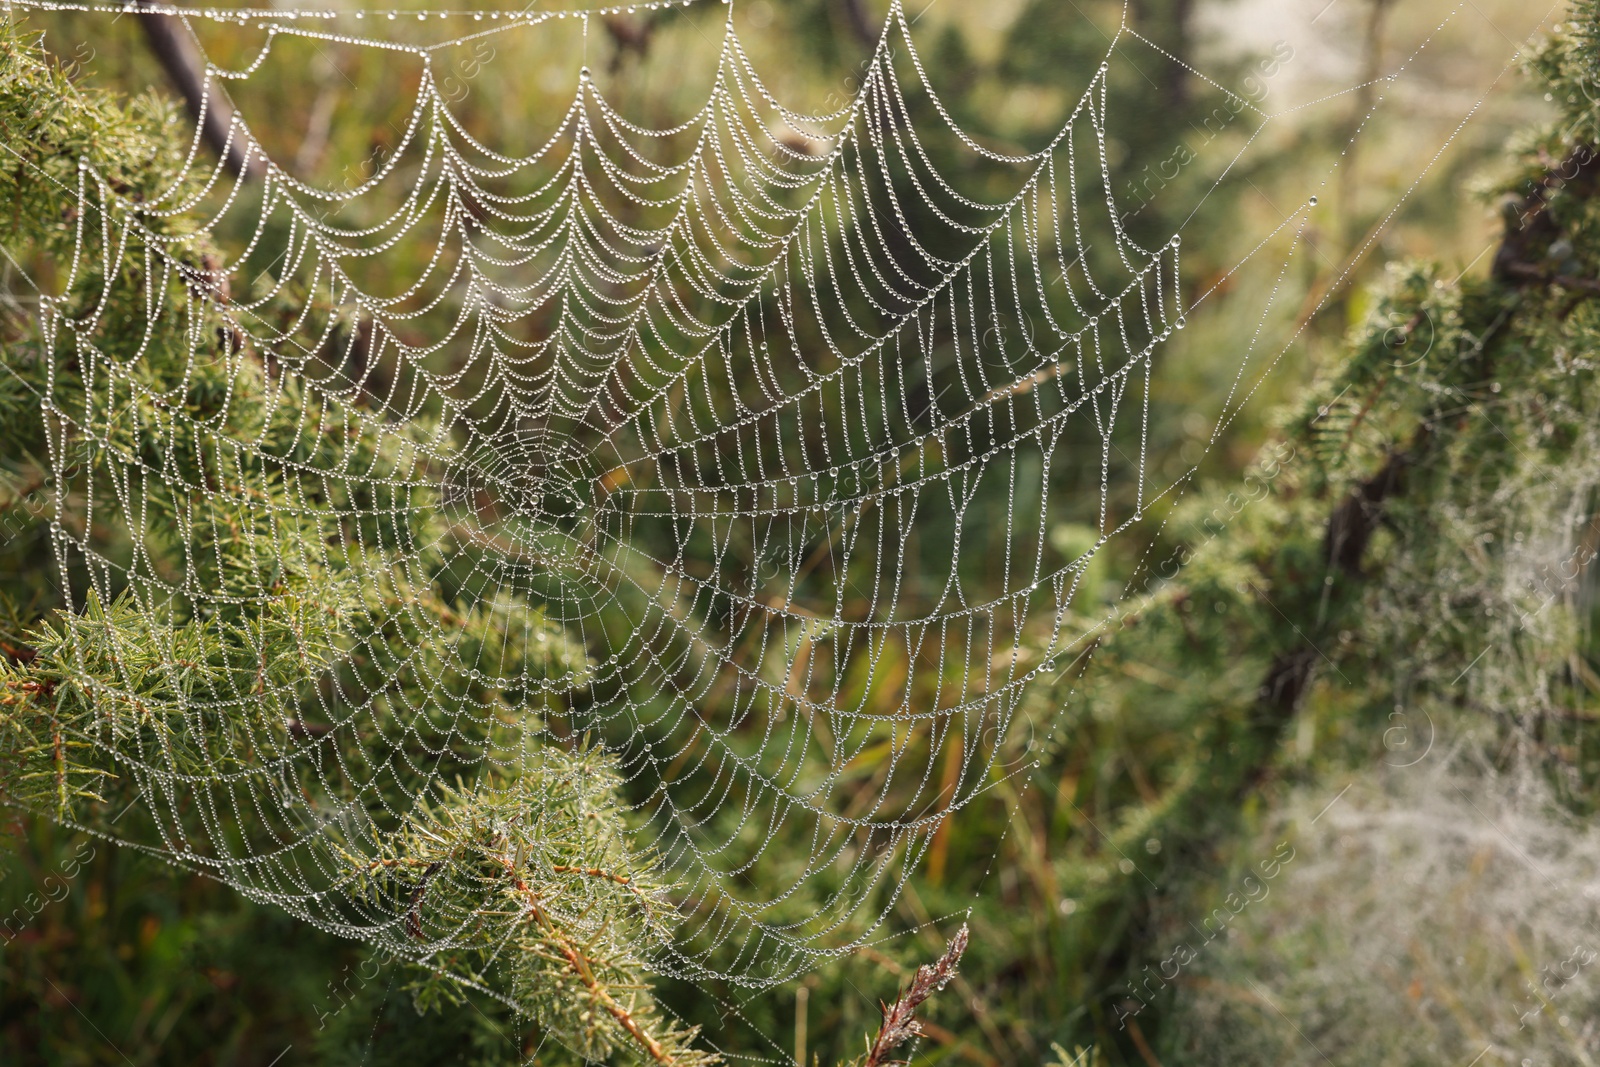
(518, 878)
(534, 889)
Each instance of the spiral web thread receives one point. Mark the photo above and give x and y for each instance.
(713, 400)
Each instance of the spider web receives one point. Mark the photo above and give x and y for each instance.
(766, 411)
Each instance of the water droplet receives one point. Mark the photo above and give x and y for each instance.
(1313, 201)
(1181, 323)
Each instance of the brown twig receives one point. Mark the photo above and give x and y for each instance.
(1530, 227)
(403, 861)
(578, 963)
(630, 35)
(179, 57)
(414, 912)
(860, 23)
(620, 879)
(1344, 546)
(593, 872)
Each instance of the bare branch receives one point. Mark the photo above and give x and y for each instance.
(179, 57)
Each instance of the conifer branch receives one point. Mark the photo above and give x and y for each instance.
(583, 970)
(111, 669)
